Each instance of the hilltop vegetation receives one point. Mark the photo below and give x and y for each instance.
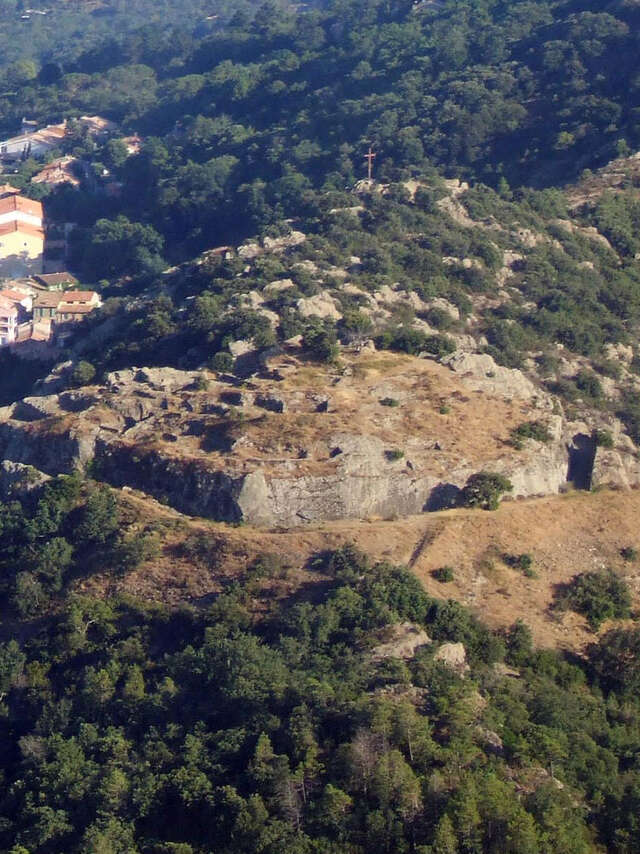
(129, 727)
(281, 711)
(487, 89)
(39, 38)
(263, 125)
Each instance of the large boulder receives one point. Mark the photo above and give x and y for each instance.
(453, 655)
(321, 305)
(480, 372)
(405, 639)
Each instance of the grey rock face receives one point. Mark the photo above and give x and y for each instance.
(52, 453)
(17, 480)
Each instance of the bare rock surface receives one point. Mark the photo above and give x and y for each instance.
(320, 305)
(453, 655)
(299, 444)
(406, 639)
(480, 372)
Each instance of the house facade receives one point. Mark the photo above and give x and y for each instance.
(8, 321)
(21, 236)
(67, 307)
(32, 143)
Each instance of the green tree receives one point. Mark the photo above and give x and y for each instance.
(485, 489)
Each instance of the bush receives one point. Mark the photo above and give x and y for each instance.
(389, 401)
(485, 489)
(444, 574)
(200, 383)
(394, 455)
(603, 438)
(599, 596)
(82, 374)
(521, 562)
(321, 343)
(222, 362)
(412, 341)
(629, 553)
(589, 384)
(530, 430)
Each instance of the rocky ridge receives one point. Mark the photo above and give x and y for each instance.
(382, 437)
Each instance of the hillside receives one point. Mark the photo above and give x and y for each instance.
(318, 530)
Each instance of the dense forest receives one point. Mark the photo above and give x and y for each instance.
(37, 37)
(266, 721)
(263, 724)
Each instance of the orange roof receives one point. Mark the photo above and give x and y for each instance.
(78, 296)
(24, 227)
(49, 279)
(19, 203)
(16, 296)
(7, 308)
(74, 308)
(46, 299)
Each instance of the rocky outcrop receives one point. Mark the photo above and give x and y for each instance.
(612, 468)
(404, 641)
(481, 373)
(274, 452)
(54, 452)
(453, 655)
(321, 305)
(17, 480)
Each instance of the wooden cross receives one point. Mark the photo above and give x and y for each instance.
(369, 158)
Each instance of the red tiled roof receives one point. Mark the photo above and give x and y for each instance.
(16, 296)
(45, 299)
(56, 279)
(78, 296)
(74, 308)
(7, 308)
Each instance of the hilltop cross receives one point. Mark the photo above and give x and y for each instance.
(369, 158)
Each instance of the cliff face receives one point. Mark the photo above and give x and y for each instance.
(387, 436)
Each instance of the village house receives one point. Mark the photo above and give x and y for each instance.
(67, 307)
(45, 304)
(8, 321)
(8, 190)
(97, 126)
(21, 236)
(34, 143)
(22, 300)
(55, 281)
(63, 170)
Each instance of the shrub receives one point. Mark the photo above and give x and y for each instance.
(394, 455)
(485, 489)
(320, 341)
(599, 596)
(200, 383)
(444, 574)
(439, 318)
(221, 362)
(412, 341)
(389, 401)
(530, 430)
(521, 562)
(589, 384)
(603, 438)
(82, 374)
(629, 553)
